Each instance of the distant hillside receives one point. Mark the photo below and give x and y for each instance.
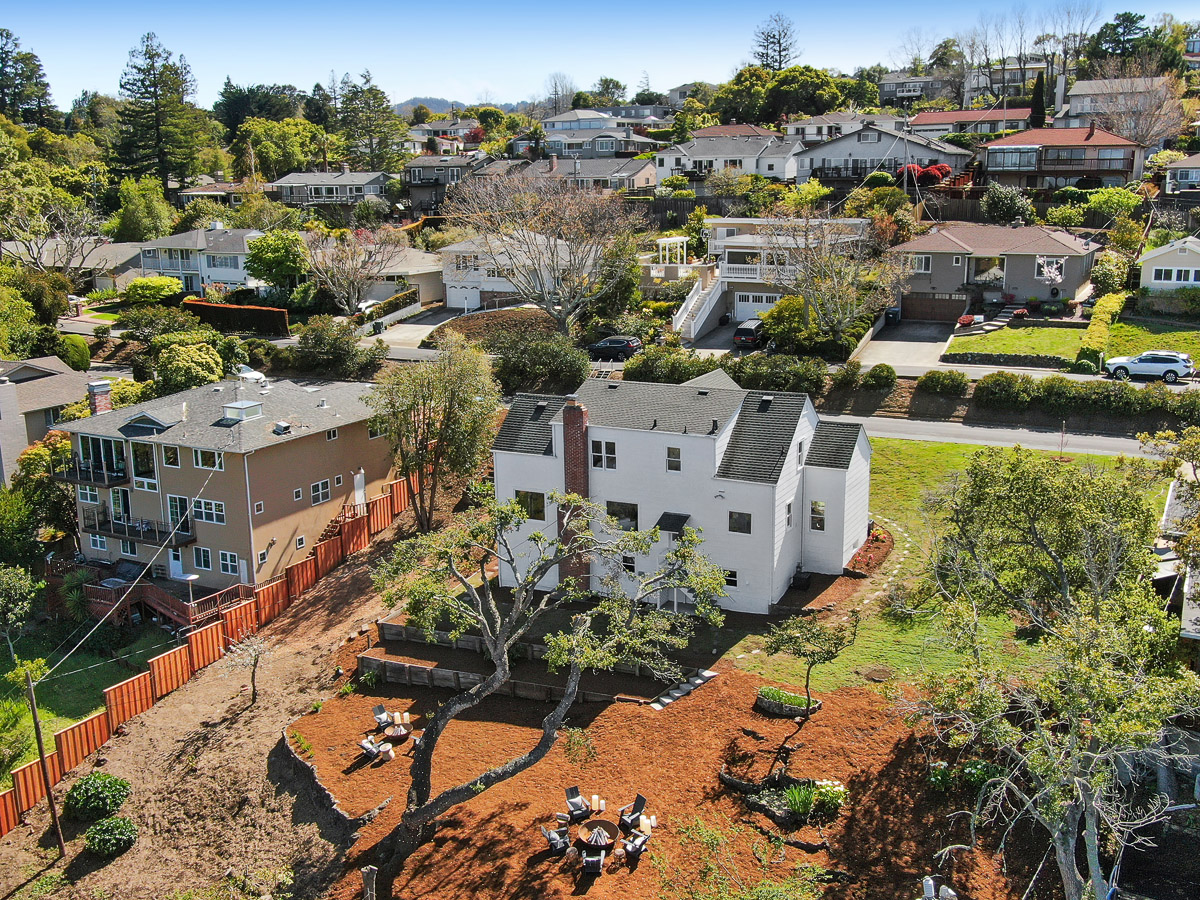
(442, 105)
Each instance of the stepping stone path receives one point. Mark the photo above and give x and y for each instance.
(682, 689)
(902, 546)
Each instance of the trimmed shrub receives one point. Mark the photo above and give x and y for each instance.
(392, 304)
(1067, 216)
(225, 318)
(75, 352)
(1095, 339)
(1072, 196)
(102, 332)
(879, 179)
(110, 837)
(948, 382)
(667, 365)
(152, 289)
(1004, 390)
(880, 377)
(527, 361)
(95, 796)
(1110, 272)
(848, 376)
(759, 372)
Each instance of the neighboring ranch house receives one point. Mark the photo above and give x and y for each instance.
(873, 148)
(420, 269)
(594, 174)
(953, 262)
(477, 271)
(772, 488)
(771, 157)
(1062, 157)
(200, 259)
(1171, 266)
(937, 123)
(32, 394)
(235, 481)
(344, 188)
(588, 144)
(1183, 175)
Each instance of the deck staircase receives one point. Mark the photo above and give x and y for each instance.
(697, 304)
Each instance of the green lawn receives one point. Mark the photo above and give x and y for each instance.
(1042, 341)
(107, 311)
(1132, 338)
(74, 691)
(902, 472)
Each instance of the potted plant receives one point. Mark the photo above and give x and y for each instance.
(1020, 313)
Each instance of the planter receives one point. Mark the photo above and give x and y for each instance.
(785, 710)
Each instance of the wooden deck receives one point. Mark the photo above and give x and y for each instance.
(189, 616)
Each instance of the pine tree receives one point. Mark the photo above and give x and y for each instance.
(370, 126)
(162, 131)
(1037, 112)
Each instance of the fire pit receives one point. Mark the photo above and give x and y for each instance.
(599, 833)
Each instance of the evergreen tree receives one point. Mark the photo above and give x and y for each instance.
(320, 107)
(24, 91)
(370, 126)
(162, 131)
(144, 214)
(1037, 112)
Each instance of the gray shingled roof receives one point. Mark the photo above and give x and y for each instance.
(526, 428)
(717, 378)
(196, 418)
(303, 178)
(833, 445)
(675, 408)
(211, 240)
(762, 436)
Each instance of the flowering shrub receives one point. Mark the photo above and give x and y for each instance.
(978, 772)
(941, 776)
(966, 320)
(1020, 313)
(829, 798)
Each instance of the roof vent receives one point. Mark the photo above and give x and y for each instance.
(654, 424)
(282, 428)
(703, 393)
(612, 385)
(322, 403)
(767, 398)
(716, 425)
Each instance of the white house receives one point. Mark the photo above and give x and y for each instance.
(1171, 266)
(477, 272)
(772, 489)
(817, 129)
(1183, 175)
(771, 157)
(200, 259)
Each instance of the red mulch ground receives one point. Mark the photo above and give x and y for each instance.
(885, 838)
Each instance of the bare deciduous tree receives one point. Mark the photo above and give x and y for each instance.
(550, 240)
(834, 266)
(775, 43)
(346, 263)
(560, 88)
(1141, 106)
(248, 653)
(53, 235)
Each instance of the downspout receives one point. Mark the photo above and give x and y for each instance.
(252, 562)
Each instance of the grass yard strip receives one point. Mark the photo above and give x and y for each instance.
(1132, 338)
(1047, 341)
(902, 473)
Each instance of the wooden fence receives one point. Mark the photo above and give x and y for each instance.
(127, 699)
(169, 671)
(260, 604)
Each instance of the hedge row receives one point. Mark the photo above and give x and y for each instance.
(1095, 339)
(225, 318)
(1024, 360)
(392, 304)
(1058, 395)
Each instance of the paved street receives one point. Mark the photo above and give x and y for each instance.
(995, 436)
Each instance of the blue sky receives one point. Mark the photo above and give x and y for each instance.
(497, 49)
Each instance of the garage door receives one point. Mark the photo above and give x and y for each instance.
(925, 307)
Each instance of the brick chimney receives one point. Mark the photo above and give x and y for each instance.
(1091, 130)
(575, 473)
(345, 168)
(553, 162)
(99, 397)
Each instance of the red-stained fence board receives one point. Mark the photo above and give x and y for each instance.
(379, 513)
(240, 622)
(170, 670)
(128, 699)
(271, 598)
(28, 784)
(10, 816)
(327, 554)
(79, 741)
(301, 576)
(206, 645)
(355, 535)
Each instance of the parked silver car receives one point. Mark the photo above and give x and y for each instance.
(1168, 365)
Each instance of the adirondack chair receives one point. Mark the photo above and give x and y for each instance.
(635, 843)
(558, 840)
(369, 748)
(578, 808)
(593, 862)
(631, 815)
(381, 716)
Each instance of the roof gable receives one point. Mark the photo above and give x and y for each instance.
(761, 441)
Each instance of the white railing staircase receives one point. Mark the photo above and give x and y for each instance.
(697, 305)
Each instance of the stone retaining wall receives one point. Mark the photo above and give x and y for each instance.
(305, 773)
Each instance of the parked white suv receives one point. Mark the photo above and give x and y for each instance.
(1165, 364)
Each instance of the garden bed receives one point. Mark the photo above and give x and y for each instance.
(481, 326)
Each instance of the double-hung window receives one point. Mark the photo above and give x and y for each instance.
(319, 491)
(816, 515)
(209, 511)
(202, 558)
(88, 494)
(604, 455)
(674, 460)
(209, 459)
(922, 264)
(229, 563)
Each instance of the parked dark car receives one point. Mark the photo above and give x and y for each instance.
(619, 346)
(749, 334)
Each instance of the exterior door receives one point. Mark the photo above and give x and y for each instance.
(189, 282)
(177, 510)
(360, 487)
(120, 504)
(176, 563)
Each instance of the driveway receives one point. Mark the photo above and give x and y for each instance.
(717, 342)
(907, 344)
(410, 333)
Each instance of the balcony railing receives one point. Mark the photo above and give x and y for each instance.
(74, 470)
(133, 528)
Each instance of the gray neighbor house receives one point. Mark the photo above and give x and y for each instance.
(953, 263)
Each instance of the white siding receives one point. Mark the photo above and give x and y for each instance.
(823, 549)
(858, 499)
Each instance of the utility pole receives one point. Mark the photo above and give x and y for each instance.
(37, 730)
